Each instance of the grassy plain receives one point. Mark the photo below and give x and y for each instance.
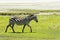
(48, 28)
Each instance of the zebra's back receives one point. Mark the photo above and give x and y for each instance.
(19, 21)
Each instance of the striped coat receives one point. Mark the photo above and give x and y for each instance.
(21, 21)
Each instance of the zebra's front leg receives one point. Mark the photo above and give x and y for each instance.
(7, 27)
(23, 28)
(13, 28)
(30, 28)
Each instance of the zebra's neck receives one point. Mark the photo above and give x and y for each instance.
(31, 18)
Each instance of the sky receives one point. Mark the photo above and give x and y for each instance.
(27, 1)
(32, 4)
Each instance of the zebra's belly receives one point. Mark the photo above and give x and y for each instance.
(19, 23)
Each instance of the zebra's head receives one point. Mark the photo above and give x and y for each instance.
(34, 17)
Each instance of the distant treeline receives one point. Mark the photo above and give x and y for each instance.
(25, 11)
(32, 10)
(16, 13)
(19, 12)
(49, 10)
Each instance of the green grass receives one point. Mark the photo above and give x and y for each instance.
(48, 28)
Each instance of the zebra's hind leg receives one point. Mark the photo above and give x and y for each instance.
(30, 28)
(7, 27)
(23, 28)
(13, 28)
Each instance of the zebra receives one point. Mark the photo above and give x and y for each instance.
(24, 21)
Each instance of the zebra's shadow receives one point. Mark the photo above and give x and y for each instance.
(22, 32)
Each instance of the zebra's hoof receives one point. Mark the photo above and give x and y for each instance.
(5, 31)
(13, 32)
(22, 32)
